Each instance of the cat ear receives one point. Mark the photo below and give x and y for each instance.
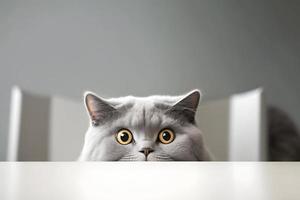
(98, 108)
(190, 101)
(187, 106)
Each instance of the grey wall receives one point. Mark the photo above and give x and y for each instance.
(143, 47)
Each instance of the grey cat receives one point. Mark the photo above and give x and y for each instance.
(154, 128)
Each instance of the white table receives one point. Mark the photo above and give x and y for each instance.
(149, 180)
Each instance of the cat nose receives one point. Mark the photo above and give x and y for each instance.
(146, 151)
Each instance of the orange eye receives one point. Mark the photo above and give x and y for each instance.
(124, 136)
(166, 136)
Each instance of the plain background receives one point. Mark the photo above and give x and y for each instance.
(148, 47)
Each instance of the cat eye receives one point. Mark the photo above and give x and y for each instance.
(124, 136)
(166, 136)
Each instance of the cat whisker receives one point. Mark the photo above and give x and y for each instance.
(163, 157)
(129, 157)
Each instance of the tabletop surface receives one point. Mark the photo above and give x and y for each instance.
(149, 180)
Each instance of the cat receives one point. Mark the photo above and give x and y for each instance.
(154, 128)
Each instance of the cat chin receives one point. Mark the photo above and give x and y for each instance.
(141, 157)
(154, 157)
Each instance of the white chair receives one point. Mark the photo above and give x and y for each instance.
(45, 128)
(52, 128)
(234, 128)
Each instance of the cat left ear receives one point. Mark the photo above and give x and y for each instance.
(187, 105)
(98, 108)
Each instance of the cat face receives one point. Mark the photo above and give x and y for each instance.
(155, 128)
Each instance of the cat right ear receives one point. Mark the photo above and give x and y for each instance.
(98, 108)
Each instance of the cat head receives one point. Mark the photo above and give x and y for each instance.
(154, 128)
